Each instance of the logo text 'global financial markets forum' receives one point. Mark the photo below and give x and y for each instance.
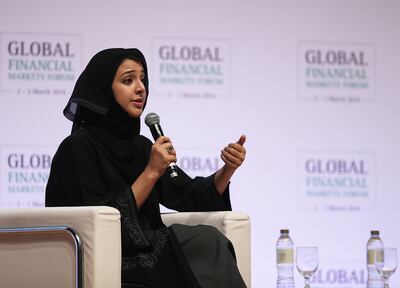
(24, 175)
(191, 68)
(39, 63)
(337, 181)
(336, 72)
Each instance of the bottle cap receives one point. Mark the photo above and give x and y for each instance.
(375, 232)
(284, 231)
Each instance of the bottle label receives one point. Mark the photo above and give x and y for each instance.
(284, 256)
(373, 255)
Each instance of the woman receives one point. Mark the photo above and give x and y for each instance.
(105, 161)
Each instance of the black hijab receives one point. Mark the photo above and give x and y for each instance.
(92, 100)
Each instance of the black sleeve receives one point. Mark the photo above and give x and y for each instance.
(76, 177)
(187, 194)
(76, 180)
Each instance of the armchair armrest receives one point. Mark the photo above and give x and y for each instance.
(234, 225)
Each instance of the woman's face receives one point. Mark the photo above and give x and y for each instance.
(128, 87)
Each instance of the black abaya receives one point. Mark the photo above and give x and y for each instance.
(104, 155)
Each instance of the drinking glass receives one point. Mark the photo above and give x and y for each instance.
(386, 263)
(307, 262)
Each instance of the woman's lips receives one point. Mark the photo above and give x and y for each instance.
(138, 103)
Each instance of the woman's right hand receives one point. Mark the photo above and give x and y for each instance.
(162, 154)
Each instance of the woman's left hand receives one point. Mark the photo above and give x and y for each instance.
(234, 154)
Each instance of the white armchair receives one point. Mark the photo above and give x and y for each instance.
(81, 246)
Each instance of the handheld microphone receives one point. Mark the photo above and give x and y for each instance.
(152, 120)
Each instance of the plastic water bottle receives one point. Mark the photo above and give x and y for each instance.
(374, 247)
(285, 260)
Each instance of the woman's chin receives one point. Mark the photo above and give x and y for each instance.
(135, 114)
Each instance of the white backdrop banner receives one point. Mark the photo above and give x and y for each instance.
(314, 85)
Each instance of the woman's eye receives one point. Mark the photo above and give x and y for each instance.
(127, 81)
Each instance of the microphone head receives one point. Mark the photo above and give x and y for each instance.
(152, 119)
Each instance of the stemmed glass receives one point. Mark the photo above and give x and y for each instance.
(386, 263)
(307, 262)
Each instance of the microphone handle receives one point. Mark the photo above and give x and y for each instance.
(156, 131)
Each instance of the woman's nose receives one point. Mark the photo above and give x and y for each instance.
(140, 86)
